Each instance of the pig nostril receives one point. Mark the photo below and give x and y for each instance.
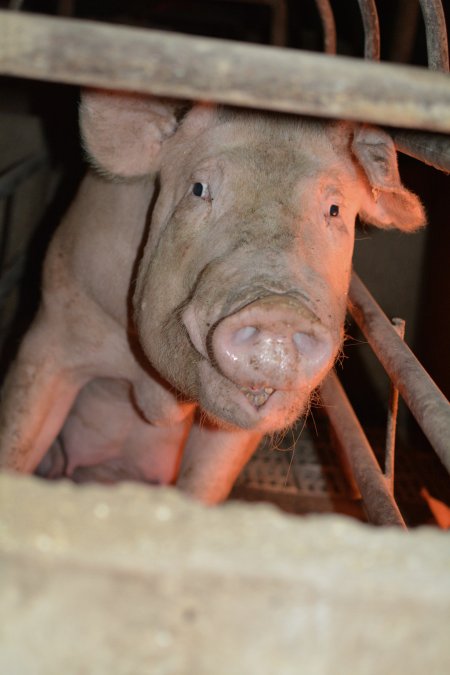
(244, 334)
(306, 344)
(314, 350)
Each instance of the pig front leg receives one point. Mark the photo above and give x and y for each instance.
(36, 397)
(213, 458)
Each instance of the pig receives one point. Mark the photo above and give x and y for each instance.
(194, 295)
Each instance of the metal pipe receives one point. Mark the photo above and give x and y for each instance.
(425, 400)
(328, 26)
(404, 30)
(391, 427)
(432, 149)
(66, 7)
(378, 502)
(436, 32)
(371, 25)
(167, 64)
(279, 23)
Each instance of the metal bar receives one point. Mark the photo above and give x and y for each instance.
(328, 26)
(371, 25)
(391, 427)
(436, 32)
(279, 19)
(279, 23)
(66, 7)
(425, 400)
(119, 57)
(378, 502)
(432, 149)
(19, 172)
(404, 31)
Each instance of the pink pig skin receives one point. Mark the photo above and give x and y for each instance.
(194, 295)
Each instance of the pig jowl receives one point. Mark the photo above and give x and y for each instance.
(259, 351)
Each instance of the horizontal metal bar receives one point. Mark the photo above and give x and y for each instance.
(436, 32)
(181, 66)
(425, 400)
(16, 174)
(379, 504)
(432, 149)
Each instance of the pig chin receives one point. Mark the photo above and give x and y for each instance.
(231, 406)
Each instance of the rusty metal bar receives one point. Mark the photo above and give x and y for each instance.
(279, 22)
(371, 25)
(119, 57)
(432, 149)
(425, 400)
(328, 26)
(391, 427)
(404, 30)
(379, 504)
(66, 7)
(436, 32)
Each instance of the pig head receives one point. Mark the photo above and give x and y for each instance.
(234, 299)
(241, 292)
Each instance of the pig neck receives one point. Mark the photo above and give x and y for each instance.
(88, 277)
(100, 240)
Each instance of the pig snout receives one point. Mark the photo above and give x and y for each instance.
(274, 343)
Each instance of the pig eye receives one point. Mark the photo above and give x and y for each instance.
(334, 210)
(201, 190)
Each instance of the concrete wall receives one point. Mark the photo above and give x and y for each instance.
(133, 581)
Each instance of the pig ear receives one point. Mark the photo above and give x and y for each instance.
(123, 133)
(388, 203)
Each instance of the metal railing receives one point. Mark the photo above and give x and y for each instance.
(426, 402)
(169, 64)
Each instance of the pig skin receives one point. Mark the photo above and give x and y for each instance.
(179, 325)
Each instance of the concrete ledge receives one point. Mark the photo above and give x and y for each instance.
(134, 580)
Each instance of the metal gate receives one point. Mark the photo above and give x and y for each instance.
(94, 54)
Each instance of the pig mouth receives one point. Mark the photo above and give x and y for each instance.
(259, 408)
(260, 363)
(257, 397)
